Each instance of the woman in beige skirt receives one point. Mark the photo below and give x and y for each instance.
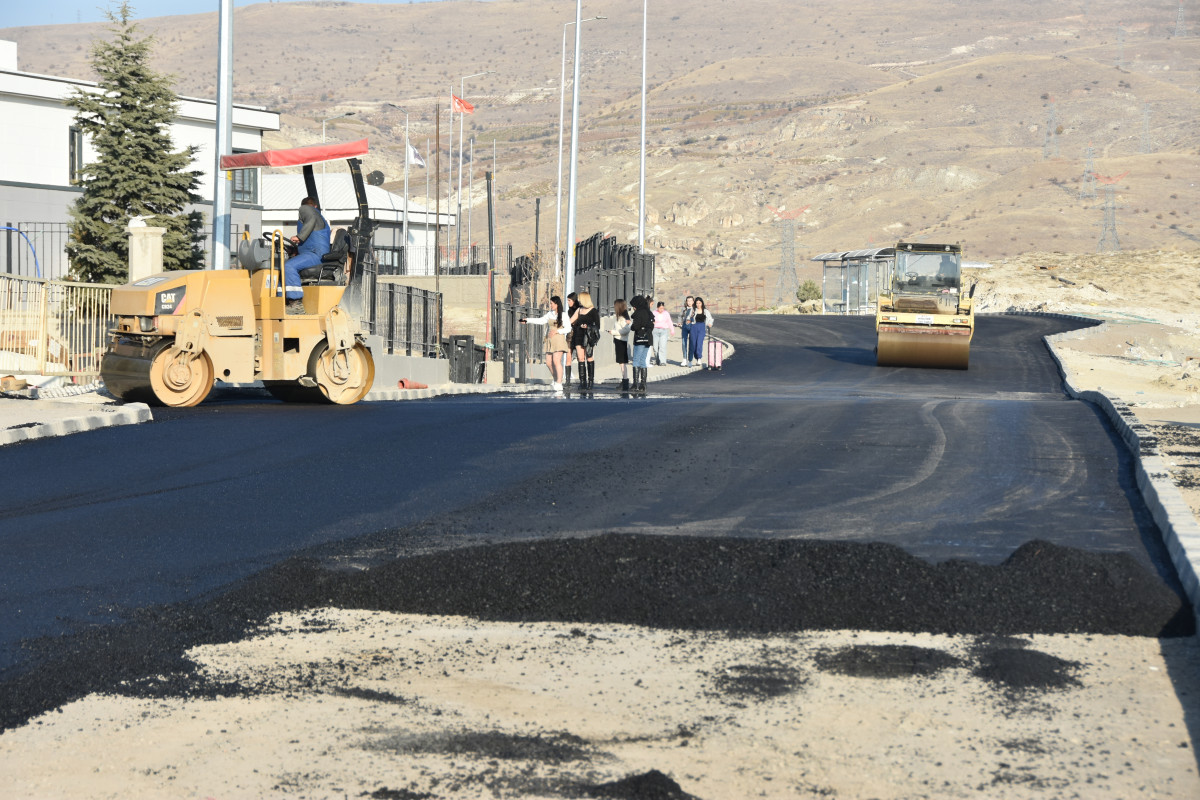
(557, 330)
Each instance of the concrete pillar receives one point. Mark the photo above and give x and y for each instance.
(145, 251)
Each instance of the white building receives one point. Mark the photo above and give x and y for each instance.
(44, 151)
(281, 196)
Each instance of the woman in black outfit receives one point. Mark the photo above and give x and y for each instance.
(585, 319)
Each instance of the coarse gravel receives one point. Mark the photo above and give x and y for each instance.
(681, 582)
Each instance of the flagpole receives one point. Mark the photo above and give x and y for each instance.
(437, 214)
(470, 196)
(462, 118)
(427, 208)
(407, 157)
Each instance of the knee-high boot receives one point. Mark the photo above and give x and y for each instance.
(591, 374)
(567, 376)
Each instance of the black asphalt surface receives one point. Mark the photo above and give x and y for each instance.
(799, 437)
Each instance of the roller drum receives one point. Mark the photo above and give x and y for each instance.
(125, 370)
(903, 346)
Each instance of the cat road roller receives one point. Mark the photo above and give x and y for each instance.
(178, 331)
(924, 319)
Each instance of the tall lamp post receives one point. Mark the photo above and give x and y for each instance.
(562, 90)
(569, 277)
(462, 88)
(222, 205)
(329, 119)
(642, 168)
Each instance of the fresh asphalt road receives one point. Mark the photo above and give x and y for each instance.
(800, 435)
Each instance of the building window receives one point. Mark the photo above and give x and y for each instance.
(74, 155)
(245, 183)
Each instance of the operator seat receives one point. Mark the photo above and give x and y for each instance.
(332, 269)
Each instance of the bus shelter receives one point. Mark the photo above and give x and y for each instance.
(850, 279)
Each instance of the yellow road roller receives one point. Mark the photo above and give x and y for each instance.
(178, 331)
(924, 319)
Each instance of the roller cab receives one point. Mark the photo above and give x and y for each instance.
(925, 319)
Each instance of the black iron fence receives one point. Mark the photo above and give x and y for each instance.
(35, 249)
(506, 326)
(407, 319)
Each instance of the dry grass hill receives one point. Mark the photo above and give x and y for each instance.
(882, 120)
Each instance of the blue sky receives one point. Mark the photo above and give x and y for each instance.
(61, 12)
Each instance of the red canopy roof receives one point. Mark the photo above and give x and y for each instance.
(296, 156)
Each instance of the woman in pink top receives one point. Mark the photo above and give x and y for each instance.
(662, 332)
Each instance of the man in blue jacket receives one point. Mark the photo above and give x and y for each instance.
(312, 237)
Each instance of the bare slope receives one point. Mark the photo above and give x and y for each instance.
(886, 120)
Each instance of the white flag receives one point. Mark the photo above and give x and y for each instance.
(414, 157)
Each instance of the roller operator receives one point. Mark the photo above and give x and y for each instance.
(312, 239)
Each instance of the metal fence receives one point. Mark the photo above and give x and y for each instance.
(35, 249)
(610, 271)
(506, 325)
(408, 319)
(423, 260)
(53, 327)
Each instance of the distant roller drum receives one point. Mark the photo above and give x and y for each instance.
(904, 346)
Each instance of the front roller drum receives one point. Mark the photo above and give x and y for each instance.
(161, 374)
(903, 346)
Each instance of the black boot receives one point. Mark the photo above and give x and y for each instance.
(591, 374)
(624, 384)
(567, 377)
(639, 380)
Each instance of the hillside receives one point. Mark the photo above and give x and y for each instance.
(884, 121)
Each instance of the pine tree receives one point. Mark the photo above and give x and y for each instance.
(136, 173)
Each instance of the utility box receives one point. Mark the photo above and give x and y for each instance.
(465, 359)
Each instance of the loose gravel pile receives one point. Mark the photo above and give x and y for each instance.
(689, 583)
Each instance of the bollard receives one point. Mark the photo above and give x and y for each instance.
(514, 360)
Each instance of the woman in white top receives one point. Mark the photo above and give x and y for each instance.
(556, 338)
(621, 328)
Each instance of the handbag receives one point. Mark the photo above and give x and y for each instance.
(593, 335)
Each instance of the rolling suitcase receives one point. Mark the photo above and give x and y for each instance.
(716, 352)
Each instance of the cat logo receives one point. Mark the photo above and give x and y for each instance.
(169, 301)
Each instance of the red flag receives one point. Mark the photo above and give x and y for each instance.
(460, 105)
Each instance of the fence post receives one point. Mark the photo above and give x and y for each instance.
(43, 333)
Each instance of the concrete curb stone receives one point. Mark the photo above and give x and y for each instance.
(1170, 511)
(66, 418)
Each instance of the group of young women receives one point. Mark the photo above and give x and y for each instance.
(573, 332)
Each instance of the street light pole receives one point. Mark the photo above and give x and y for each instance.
(562, 91)
(569, 276)
(329, 119)
(462, 89)
(642, 170)
(222, 205)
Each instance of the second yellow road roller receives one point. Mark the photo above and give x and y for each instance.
(924, 318)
